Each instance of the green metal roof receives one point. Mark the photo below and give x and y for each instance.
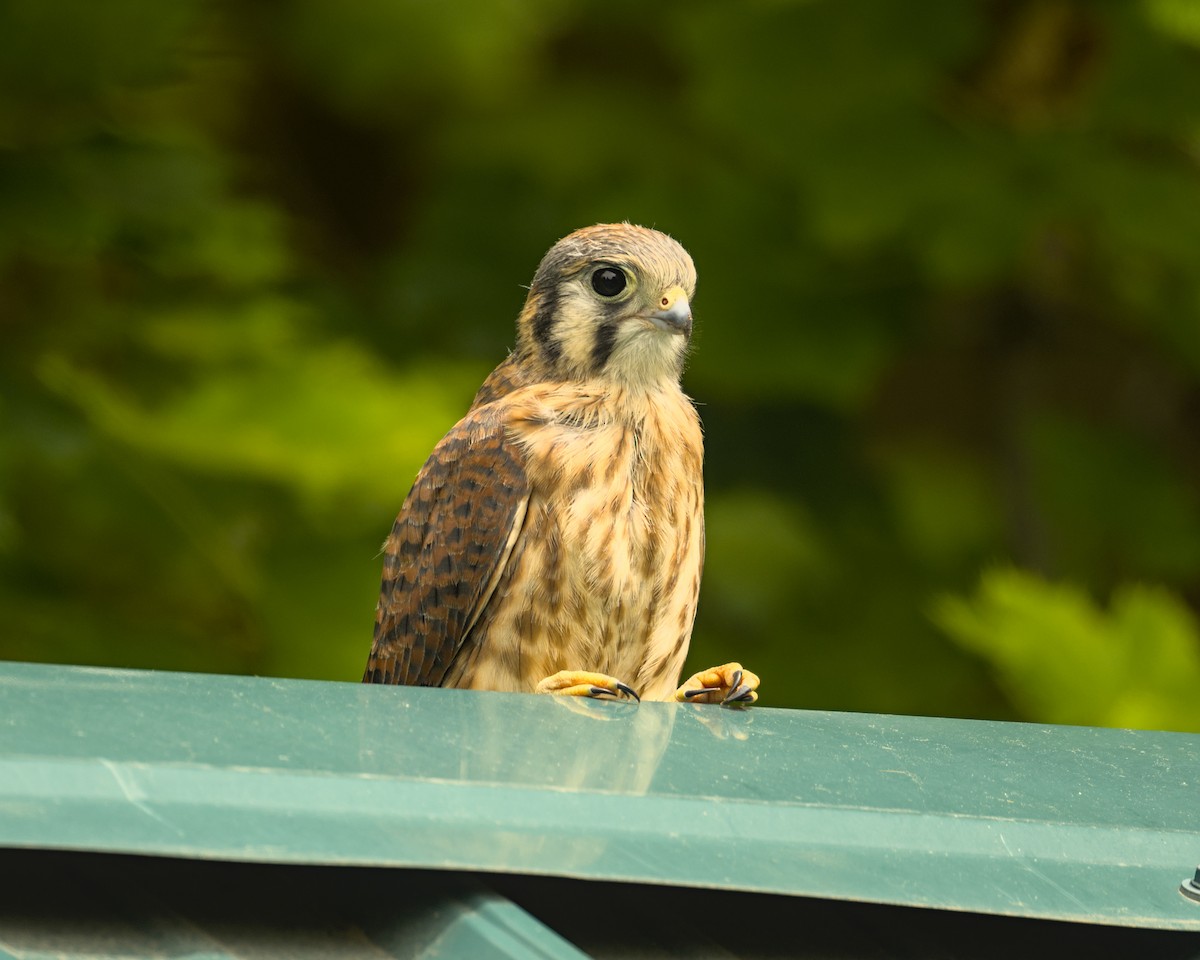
(1071, 823)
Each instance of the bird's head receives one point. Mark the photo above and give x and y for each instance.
(611, 301)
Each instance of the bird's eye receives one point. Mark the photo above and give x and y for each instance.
(609, 281)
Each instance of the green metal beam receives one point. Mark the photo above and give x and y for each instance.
(1073, 823)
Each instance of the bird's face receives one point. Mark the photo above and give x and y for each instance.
(611, 301)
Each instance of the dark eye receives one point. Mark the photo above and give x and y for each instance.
(608, 281)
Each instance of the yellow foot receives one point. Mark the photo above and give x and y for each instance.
(728, 684)
(579, 683)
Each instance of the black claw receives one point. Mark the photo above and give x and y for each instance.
(739, 694)
(628, 691)
(737, 679)
(695, 693)
(602, 692)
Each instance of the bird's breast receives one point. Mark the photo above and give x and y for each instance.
(610, 555)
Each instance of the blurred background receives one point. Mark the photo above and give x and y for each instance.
(256, 258)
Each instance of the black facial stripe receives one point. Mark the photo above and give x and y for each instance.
(606, 340)
(543, 326)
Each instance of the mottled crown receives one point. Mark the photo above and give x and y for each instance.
(619, 243)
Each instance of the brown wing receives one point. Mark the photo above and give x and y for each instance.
(510, 375)
(446, 551)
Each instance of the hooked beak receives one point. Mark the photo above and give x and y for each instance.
(676, 313)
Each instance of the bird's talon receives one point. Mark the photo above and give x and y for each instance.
(739, 694)
(727, 684)
(628, 691)
(581, 683)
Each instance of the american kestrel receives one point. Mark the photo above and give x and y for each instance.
(554, 539)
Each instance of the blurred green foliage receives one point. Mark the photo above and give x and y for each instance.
(1063, 660)
(255, 258)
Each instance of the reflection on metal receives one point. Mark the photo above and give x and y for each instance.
(1017, 819)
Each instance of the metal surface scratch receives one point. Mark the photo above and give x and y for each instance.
(133, 793)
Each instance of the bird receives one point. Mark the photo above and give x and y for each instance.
(553, 541)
